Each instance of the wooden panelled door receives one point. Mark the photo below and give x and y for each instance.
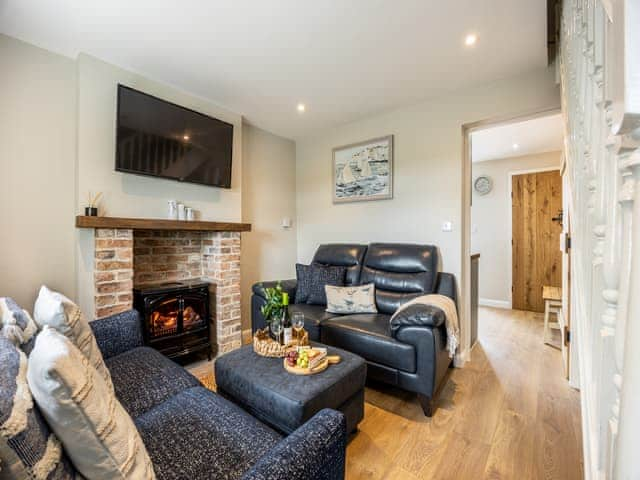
(536, 198)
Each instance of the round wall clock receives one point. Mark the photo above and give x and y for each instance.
(483, 184)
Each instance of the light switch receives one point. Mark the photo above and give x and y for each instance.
(447, 226)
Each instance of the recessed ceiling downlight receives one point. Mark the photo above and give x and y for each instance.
(301, 107)
(515, 146)
(471, 39)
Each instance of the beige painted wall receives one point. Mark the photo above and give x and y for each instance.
(491, 226)
(37, 171)
(127, 195)
(268, 195)
(427, 170)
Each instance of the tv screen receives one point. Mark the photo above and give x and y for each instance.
(161, 139)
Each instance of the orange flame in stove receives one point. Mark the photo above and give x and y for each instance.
(164, 322)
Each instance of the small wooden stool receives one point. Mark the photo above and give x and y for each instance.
(552, 297)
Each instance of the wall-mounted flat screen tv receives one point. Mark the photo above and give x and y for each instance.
(161, 139)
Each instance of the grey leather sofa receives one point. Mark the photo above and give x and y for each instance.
(410, 353)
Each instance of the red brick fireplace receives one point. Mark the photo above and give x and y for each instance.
(141, 251)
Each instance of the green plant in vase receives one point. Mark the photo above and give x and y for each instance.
(272, 309)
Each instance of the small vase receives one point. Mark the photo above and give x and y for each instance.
(91, 211)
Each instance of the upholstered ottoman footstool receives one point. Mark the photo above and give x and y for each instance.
(265, 389)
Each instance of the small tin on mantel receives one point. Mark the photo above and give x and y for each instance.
(91, 211)
(172, 210)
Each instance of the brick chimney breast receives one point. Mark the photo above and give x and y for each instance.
(125, 256)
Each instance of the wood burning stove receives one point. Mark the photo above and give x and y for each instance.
(175, 316)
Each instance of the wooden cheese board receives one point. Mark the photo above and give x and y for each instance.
(329, 360)
(306, 371)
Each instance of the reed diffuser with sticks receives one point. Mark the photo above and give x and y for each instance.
(92, 209)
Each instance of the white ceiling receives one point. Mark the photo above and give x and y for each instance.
(537, 135)
(345, 59)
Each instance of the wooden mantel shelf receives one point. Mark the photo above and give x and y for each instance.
(160, 224)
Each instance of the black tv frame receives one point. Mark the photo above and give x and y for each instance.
(120, 87)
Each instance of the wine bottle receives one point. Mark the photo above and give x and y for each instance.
(287, 326)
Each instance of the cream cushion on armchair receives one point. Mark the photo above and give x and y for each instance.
(96, 432)
(58, 312)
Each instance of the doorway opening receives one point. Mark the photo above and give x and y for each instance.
(515, 214)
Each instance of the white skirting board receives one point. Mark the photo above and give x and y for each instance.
(488, 302)
(461, 358)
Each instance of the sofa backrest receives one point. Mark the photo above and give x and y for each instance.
(400, 272)
(348, 255)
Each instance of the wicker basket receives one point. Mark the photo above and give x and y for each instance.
(266, 346)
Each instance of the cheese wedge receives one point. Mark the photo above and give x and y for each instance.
(317, 358)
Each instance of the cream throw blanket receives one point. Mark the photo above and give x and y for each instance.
(447, 305)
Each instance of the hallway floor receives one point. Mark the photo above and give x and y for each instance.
(509, 414)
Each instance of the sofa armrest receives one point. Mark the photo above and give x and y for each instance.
(432, 358)
(118, 333)
(417, 315)
(288, 286)
(316, 451)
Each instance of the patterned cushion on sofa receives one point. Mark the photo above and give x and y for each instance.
(312, 280)
(346, 300)
(63, 315)
(17, 325)
(81, 408)
(28, 448)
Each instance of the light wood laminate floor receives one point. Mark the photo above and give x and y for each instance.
(509, 414)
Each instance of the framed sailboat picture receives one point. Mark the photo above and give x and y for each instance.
(363, 171)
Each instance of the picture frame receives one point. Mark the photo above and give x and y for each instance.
(363, 171)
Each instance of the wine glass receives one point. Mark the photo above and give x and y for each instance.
(298, 324)
(276, 328)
